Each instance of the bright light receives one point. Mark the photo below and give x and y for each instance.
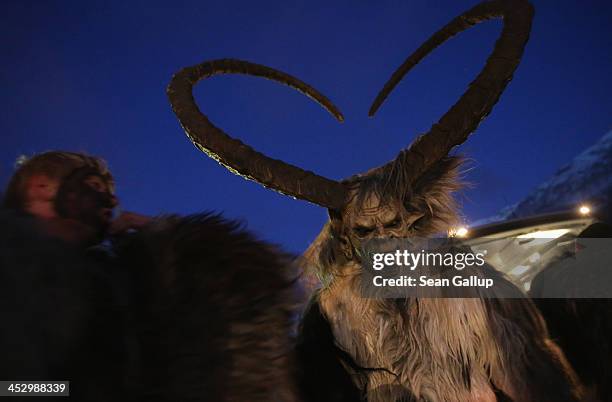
(544, 234)
(584, 210)
(460, 231)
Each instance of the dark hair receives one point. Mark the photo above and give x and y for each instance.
(53, 164)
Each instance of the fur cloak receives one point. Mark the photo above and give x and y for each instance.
(188, 309)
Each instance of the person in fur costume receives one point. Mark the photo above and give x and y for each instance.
(171, 308)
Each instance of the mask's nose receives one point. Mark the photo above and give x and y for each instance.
(108, 200)
(380, 232)
(114, 201)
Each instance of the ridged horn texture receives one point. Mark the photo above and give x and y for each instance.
(240, 158)
(482, 94)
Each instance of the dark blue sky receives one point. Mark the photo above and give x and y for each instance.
(91, 76)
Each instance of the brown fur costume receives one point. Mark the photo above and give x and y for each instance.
(213, 308)
(192, 309)
(431, 349)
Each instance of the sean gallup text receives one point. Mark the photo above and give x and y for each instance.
(424, 281)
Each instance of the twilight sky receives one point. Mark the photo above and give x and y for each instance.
(91, 76)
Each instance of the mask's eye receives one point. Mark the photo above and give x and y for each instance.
(95, 183)
(362, 231)
(394, 224)
(416, 225)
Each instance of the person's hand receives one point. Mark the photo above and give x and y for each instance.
(128, 221)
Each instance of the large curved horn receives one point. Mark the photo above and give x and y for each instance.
(240, 158)
(476, 103)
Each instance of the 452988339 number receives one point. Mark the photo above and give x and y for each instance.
(32, 388)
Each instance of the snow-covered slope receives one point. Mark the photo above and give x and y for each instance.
(586, 179)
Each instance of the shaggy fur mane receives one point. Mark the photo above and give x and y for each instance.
(214, 308)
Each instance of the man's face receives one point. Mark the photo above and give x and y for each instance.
(88, 198)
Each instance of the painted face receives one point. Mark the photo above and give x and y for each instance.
(86, 197)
